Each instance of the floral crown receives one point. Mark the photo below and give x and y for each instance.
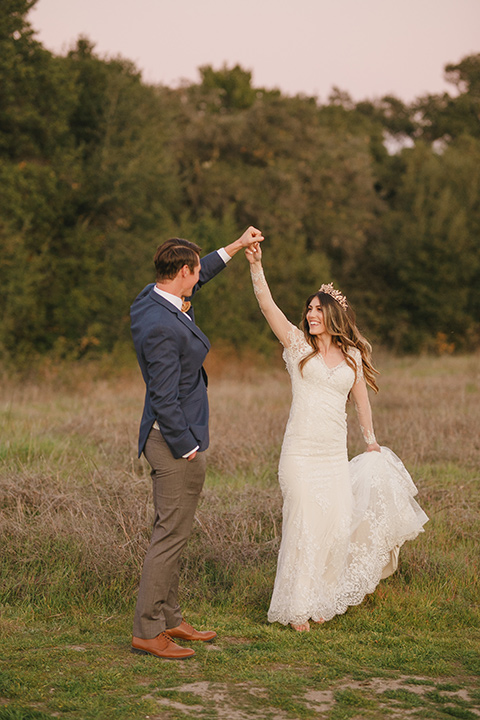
(336, 294)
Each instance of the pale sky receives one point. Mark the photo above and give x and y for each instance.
(369, 48)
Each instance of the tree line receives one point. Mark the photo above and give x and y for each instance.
(97, 168)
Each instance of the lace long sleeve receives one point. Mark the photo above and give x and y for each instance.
(259, 282)
(366, 426)
(362, 403)
(273, 315)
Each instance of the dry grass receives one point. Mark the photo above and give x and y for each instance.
(71, 481)
(429, 410)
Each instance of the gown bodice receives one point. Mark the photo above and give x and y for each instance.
(319, 394)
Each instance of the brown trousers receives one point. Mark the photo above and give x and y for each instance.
(177, 485)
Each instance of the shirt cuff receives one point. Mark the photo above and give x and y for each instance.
(191, 452)
(224, 255)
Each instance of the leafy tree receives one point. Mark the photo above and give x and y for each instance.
(424, 267)
(233, 87)
(37, 94)
(97, 168)
(446, 117)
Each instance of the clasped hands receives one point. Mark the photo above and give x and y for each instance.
(253, 251)
(250, 237)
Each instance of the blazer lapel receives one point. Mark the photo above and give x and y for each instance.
(187, 322)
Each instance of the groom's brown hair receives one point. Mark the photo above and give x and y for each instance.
(172, 255)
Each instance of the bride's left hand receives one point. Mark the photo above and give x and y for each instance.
(254, 253)
(373, 447)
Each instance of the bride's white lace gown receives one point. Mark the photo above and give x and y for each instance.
(343, 522)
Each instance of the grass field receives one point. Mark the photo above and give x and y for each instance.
(75, 518)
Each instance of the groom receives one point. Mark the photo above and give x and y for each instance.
(173, 431)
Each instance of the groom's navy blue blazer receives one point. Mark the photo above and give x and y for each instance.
(171, 350)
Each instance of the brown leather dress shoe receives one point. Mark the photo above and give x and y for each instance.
(184, 631)
(161, 646)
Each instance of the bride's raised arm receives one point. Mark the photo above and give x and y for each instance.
(279, 324)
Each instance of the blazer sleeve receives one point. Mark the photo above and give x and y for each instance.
(210, 265)
(161, 354)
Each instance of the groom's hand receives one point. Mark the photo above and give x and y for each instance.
(249, 237)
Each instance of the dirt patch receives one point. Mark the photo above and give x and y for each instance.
(398, 698)
(225, 702)
(393, 694)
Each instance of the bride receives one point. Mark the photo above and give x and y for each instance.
(343, 522)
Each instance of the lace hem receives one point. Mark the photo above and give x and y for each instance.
(356, 589)
(385, 515)
(353, 595)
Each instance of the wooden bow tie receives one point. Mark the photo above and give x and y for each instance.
(186, 305)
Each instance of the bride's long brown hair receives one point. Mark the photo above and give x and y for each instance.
(340, 324)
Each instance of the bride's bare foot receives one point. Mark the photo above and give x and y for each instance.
(304, 627)
(319, 622)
